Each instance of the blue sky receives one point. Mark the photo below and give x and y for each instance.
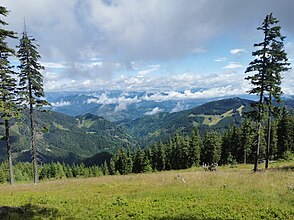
(147, 45)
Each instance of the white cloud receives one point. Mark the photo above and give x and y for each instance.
(60, 104)
(153, 111)
(179, 107)
(52, 65)
(125, 33)
(121, 102)
(238, 51)
(88, 66)
(135, 30)
(288, 82)
(156, 83)
(203, 94)
(120, 107)
(103, 99)
(233, 65)
(221, 59)
(199, 50)
(151, 69)
(50, 76)
(125, 27)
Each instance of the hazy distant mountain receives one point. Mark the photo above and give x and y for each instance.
(289, 103)
(119, 105)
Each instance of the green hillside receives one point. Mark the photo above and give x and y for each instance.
(62, 137)
(70, 138)
(216, 115)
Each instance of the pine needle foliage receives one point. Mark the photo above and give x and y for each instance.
(8, 86)
(270, 60)
(31, 86)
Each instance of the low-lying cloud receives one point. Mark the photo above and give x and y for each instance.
(60, 104)
(121, 102)
(179, 107)
(153, 111)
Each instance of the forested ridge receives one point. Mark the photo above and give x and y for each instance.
(72, 139)
(230, 147)
(65, 138)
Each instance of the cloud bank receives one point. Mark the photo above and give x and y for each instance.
(153, 111)
(93, 44)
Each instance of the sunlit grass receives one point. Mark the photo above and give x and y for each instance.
(211, 120)
(229, 193)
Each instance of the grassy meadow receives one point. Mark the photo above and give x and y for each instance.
(228, 193)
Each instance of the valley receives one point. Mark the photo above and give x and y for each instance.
(71, 139)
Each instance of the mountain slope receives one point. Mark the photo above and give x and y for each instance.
(216, 115)
(73, 138)
(67, 137)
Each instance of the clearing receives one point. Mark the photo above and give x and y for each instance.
(229, 193)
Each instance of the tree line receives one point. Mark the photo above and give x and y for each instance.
(21, 87)
(235, 145)
(23, 171)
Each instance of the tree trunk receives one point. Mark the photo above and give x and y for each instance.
(245, 155)
(260, 110)
(34, 149)
(257, 148)
(260, 107)
(33, 145)
(268, 143)
(9, 153)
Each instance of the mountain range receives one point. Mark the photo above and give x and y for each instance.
(118, 106)
(216, 115)
(71, 139)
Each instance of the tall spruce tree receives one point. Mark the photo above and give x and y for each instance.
(31, 86)
(129, 161)
(160, 157)
(285, 134)
(270, 60)
(194, 148)
(138, 166)
(246, 139)
(120, 164)
(226, 153)
(112, 165)
(8, 100)
(211, 151)
(278, 64)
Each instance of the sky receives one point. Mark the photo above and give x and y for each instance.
(199, 47)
